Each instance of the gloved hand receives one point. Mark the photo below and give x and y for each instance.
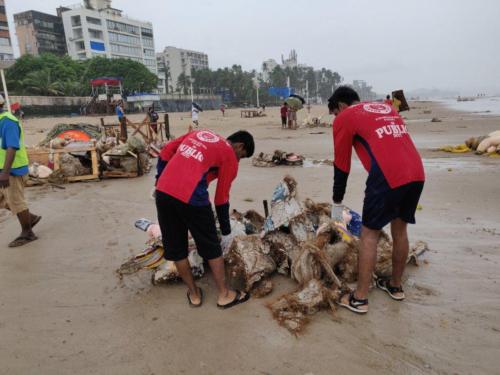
(338, 212)
(226, 241)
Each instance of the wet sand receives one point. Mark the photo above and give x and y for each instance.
(63, 310)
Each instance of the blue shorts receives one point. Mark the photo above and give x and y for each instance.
(382, 207)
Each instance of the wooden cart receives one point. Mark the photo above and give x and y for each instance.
(42, 156)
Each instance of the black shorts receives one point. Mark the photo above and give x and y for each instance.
(380, 208)
(283, 120)
(176, 218)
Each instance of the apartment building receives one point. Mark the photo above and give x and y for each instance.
(97, 29)
(39, 32)
(6, 51)
(178, 61)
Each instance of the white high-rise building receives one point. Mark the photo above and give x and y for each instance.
(6, 52)
(178, 61)
(97, 29)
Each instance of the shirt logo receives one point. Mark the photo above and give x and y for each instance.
(381, 108)
(191, 152)
(206, 136)
(397, 131)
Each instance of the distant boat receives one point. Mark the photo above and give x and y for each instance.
(465, 99)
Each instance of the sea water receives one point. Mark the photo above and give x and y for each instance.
(483, 106)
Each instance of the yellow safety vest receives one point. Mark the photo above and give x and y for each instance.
(21, 158)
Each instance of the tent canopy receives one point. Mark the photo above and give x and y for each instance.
(103, 81)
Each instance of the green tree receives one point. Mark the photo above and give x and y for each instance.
(41, 82)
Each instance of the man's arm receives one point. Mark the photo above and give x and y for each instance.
(227, 174)
(342, 137)
(9, 159)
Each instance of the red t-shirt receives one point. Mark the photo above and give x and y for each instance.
(381, 141)
(284, 111)
(388, 101)
(193, 161)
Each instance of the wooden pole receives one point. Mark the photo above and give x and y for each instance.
(167, 126)
(5, 92)
(123, 129)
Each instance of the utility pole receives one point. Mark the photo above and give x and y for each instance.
(307, 92)
(258, 105)
(192, 95)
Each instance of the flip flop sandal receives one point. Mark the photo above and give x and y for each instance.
(236, 301)
(354, 304)
(22, 240)
(385, 285)
(191, 304)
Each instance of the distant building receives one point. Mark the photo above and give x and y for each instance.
(97, 29)
(39, 33)
(291, 62)
(163, 80)
(267, 67)
(178, 61)
(6, 52)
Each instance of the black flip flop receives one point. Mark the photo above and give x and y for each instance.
(385, 285)
(191, 304)
(353, 304)
(236, 301)
(22, 240)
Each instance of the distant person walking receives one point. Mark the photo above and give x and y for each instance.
(223, 109)
(120, 112)
(284, 115)
(13, 175)
(194, 116)
(153, 119)
(388, 100)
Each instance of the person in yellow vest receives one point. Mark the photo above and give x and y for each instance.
(13, 175)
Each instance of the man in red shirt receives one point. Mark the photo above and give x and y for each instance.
(395, 182)
(388, 100)
(284, 115)
(185, 168)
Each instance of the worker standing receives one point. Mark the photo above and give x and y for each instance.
(393, 188)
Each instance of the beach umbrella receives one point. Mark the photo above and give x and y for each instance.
(197, 106)
(295, 102)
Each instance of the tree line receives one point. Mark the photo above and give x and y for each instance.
(52, 75)
(239, 86)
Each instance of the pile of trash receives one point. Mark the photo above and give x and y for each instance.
(485, 144)
(298, 240)
(279, 157)
(127, 158)
(316, 122)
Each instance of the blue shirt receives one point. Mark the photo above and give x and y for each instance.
(10, 137)
(119, 112)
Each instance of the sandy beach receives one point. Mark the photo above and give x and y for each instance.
(64, 310)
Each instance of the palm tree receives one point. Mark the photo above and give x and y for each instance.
(41, 82)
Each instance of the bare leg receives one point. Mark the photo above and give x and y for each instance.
(184, 270)
(366, 261)
(366, 264)
(25, 219)
(400, 249)
(225, 295)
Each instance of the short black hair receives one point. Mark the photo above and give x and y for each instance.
(388, 97)
(343, 94)
(242, 136)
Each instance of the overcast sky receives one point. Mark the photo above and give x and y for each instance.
(410, 44)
